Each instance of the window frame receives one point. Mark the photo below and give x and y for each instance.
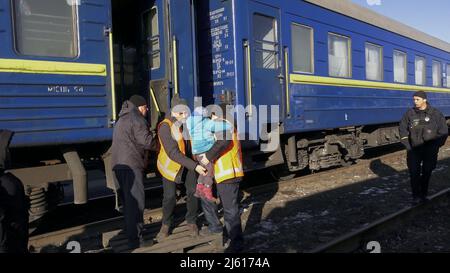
(406, 65)
(424, 70)
(77, 37)
(276, 44)
(312, 49)
(380, 60)
(439, 74)
(349, 52)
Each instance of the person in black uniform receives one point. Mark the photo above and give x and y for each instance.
(423, 130)
(13, 204)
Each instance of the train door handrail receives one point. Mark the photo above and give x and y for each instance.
(175, 64)
(249, 77)
(287, 79)
(152, 94)
(111, 69)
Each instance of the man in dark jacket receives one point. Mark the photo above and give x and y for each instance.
(131, 139)
(423, 130)
(13, 204)
(176, 166)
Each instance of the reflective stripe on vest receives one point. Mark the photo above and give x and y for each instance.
(224, 172)
(229, 165)
(166, 166)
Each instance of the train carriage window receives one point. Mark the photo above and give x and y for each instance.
(400, 71)
(448, 75)
(420, 67)
(265, 41)
(151, 36)
(46, 28)
(302, 48)
(437, 74)
(374, 62)
(339, 63)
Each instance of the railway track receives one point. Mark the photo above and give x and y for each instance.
(106, 234)
(360, 238)
(91, 233)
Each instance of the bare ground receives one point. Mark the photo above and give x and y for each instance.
(304, 215)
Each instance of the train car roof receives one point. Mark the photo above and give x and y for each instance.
(363, 14)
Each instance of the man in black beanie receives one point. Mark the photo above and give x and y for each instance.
(423, 130)
(131, 139)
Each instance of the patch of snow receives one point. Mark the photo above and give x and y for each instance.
(302, 216)
(373, 191)
(324, 213)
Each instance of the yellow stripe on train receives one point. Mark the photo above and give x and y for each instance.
(317, 80)
(48, 67)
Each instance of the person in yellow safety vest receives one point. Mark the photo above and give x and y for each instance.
(176, 166)
(228, 172)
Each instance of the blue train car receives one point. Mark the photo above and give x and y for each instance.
(65, 68)
(54, 80)
(342, 75)
(55, 91)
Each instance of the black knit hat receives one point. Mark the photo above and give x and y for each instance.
(420, 94)
(138, 100)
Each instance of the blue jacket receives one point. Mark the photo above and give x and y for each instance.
(202, 130)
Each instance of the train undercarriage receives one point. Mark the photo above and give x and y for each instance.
(321, 150)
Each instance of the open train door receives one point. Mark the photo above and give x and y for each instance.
(154, 17)
(169, 53)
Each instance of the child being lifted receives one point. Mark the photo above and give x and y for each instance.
(202, 130)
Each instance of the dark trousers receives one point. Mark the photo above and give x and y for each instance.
(13, 215)
(169, 199)
(421, 163)
(132, 194)
(228, 193)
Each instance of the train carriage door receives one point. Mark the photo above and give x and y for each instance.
(154, 54)
(153, 39)
(168, 49)
(265, 59)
